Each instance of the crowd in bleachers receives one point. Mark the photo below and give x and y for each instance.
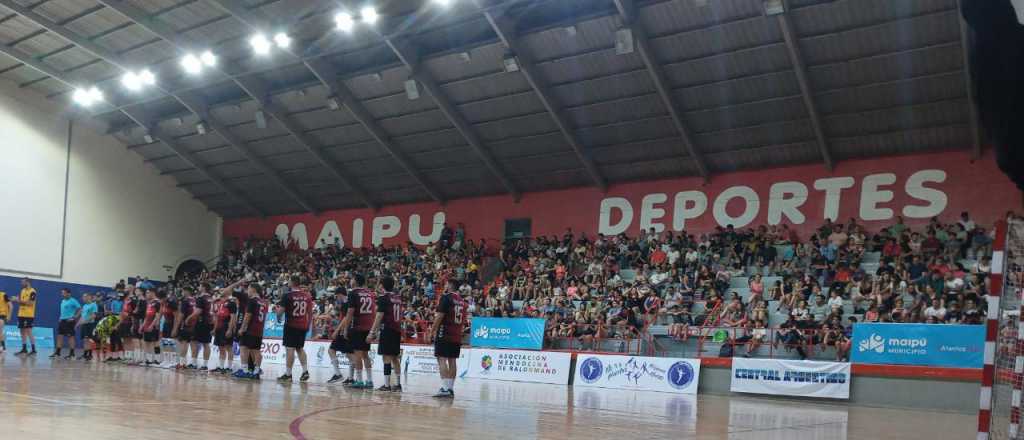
(769, 283)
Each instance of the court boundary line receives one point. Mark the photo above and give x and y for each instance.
(295, 426)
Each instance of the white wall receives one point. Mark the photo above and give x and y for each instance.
(123, 218)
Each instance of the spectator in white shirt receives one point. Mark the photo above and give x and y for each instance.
(936, 310)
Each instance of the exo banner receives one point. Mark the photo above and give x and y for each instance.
(787, 377)
(957, 346)
(523, 333)
(670, 375)
(43, 336)
(519, 365)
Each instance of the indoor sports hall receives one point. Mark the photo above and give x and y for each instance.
(513, 219)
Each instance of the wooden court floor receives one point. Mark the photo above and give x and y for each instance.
(40, 399)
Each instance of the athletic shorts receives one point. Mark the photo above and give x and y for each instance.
(124, 329)
(341, 344)
(294, 337)
(88, 332)
(185, 334)
(137, 331)
(66, 327)
(167, 329)
(252, 342)
(390, 343)
(447, 350)
(151, 336)
(202, 334)
(221, 339)
(26, 322)
(357, 340)
(115, 341)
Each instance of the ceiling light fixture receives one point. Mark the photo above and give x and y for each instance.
(282, 40)
(344, 21)
(87, 97)
(191, 64)
(134, 81)
(208, 58)
(260, 44)
(369, 15)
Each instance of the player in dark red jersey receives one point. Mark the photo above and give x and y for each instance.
(168, 309)
(139, 310)
(297, 307)
(202, 321)
(184, 333)
(225, 312)
(251, 333)
(449, 323)
(339, 344)
(150, 328)
(389, 321)
(123, 331)
(362, 309)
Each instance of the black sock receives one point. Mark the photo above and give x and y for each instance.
(3, 345)
(24, 347)
(33, 347)
(72, 352)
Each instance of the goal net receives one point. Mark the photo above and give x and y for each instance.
(1006, 377)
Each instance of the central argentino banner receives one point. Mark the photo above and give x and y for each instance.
(785, 377)
(524, 333)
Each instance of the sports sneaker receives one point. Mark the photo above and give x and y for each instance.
(32, 353)
(368, 385)
(191, 367)
(23, 351)
(285, 378)
(203, 368)
(444, 394)
(334, 378)
(396, 388)
(304, 377)
(384, 388)
(69, 357)
(241, 374)
(355, 384)
(55, 355)
(348, 382)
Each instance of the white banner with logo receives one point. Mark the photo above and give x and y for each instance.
(520, 365)
(670, 375)
(419, 359)
(784, 377)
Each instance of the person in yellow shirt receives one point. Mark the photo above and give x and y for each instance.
(26, 316)
(5, 309)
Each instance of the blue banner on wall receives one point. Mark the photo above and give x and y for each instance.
(524, 333)
(272, 328)
(44, 337)
(939, 345)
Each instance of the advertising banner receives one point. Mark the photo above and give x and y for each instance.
(43, 335)
(419, 359)
(957, 346)
(787, 377)
(522, 333)
(519, 365)
(670, 375)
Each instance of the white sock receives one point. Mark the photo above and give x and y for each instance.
(351, 371)
(449, 384)
(359, 376)
(387, 380)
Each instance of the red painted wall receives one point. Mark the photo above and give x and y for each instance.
(977, 187)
